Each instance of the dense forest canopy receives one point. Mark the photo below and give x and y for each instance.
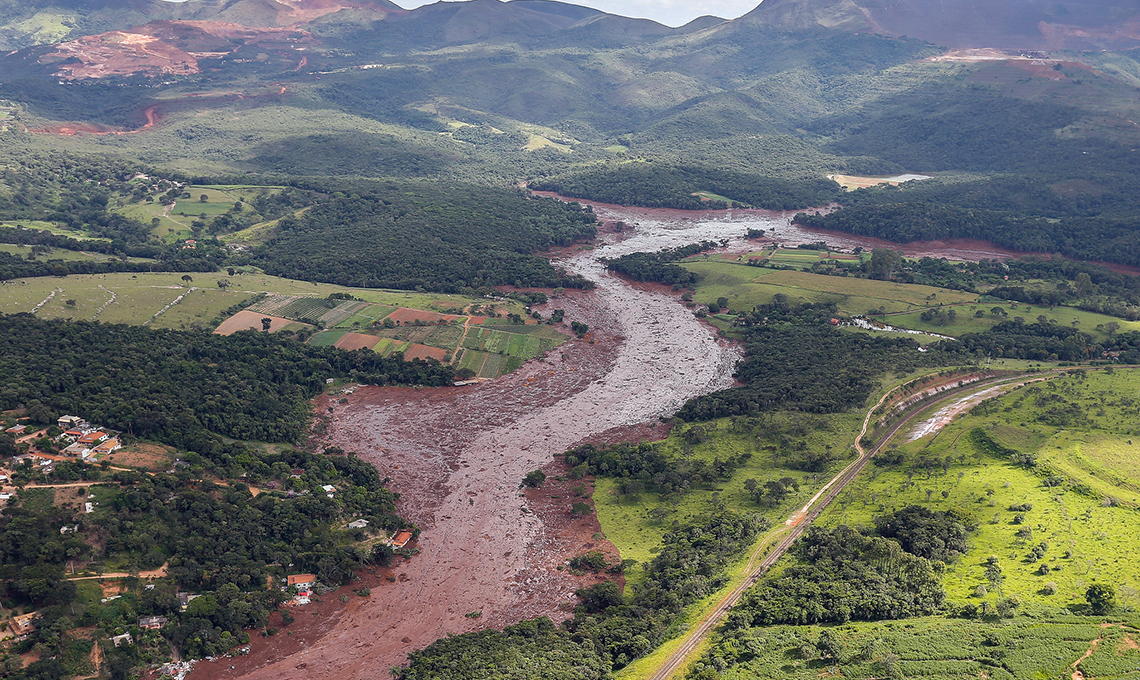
(183, 387)
(429, 237)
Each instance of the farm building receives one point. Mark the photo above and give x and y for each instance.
(69, 422)
(401, 539)
(358, 524)
(107, 446)
(19, 429)
(124, 639)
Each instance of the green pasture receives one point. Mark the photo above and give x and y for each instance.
(54, 228)
(170, 227)
(1089, 538)
(941, 649)
(745, 287)
(967, 321)
(139, 296)
(628, 520)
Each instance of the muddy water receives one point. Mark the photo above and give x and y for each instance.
(457, 455)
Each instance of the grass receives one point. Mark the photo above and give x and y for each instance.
(1088, 539)
(965, 320)
(54, 228)
(745, 287)
(939, 648)
(63, 254)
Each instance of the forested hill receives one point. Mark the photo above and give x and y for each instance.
(423, 236)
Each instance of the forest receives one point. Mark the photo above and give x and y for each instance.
(659, 266)
(418, 236)
(183, 388)
(841, 575)
(817, 369)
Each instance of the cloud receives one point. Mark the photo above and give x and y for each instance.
(669, 12)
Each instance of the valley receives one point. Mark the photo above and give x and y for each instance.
(512, 340)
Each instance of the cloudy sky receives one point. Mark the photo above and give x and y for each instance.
(670, 12)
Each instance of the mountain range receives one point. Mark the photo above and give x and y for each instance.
(1010, 24)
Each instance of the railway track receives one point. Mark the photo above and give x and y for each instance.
(765, 557)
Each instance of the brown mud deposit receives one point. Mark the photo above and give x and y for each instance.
(779, 229)
(457, 456)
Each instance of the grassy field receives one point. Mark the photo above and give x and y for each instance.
(967, 321)
(174, 223)
(745, 287)
(137, 297)
(65, 255)
(1090, 539)
(939, 648)
(55, 229)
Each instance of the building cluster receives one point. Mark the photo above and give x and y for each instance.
(84, 440)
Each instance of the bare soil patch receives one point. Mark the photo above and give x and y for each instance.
(356, 341)
(142, 455)
(246, 320)
(405, 315)
(424, 352)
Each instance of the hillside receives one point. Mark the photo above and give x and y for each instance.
(1009, 24)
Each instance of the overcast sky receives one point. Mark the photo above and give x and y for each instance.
(669, 12)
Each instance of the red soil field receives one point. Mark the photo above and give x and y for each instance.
(246, 320)
(405, 315)
(424, 352)
(357, 341)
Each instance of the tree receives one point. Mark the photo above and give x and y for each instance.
(187, 279)
(1101, 598)
(580, 509)
(884, 263)
(204, 198)
(266, 323)
(223, 284)
(534, 479)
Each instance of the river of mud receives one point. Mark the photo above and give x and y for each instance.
(457, 455)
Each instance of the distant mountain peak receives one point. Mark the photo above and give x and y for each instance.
(1014, 24)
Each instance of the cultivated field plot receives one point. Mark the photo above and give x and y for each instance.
(246, 320)
(366, 316)
(405, 315)
(145, 455)
(387, 347)
(356, 341)
(326, 338)
(415, 351)
(446, 337)
(503, 342)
